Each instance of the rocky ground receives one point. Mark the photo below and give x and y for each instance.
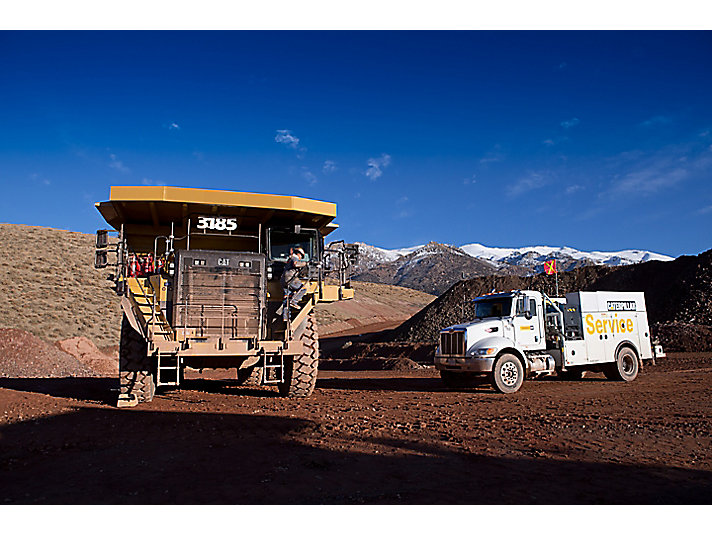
(364, 437)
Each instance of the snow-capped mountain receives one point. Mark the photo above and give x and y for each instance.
(532, 256)
(525, 256)
(433, 267)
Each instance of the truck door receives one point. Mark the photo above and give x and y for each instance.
(527, 323)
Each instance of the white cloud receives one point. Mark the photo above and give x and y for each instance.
(649, 181)
(570, 123)
(570, 190)
(562, 65)
(117, 164)
(146, 181)
(549, 142)
(286, 137)
(534, 180)
(658, 120)
(173, 126)
(493, 156)
(309, 176)
(328, 167)
(376, 166)
(705, 210)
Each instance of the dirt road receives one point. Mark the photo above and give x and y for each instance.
(364, 437)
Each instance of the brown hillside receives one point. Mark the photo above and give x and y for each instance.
(50, 286)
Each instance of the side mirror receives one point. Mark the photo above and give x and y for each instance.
(100, 259)
(102, 238)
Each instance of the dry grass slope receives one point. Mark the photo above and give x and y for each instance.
(50, 287)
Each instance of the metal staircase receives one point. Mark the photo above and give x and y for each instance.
(149, 311)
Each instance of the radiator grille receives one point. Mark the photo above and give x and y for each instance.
(452, 342)
(217, 300)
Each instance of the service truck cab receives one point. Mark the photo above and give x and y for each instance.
(524, 334)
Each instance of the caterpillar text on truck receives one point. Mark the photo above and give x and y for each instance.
(525, 334)
(198, 272)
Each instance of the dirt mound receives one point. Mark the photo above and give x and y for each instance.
(87, 353)
(370, 364)
(23, 355)
(367, 356)
(683, 337)
(677, 291)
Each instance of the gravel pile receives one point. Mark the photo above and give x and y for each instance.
(89, 355)
(23, 355)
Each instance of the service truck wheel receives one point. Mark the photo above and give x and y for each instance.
(250, 376)
(508, 374)
(300, 371)
(453, 380)
(625, 368)
(136, 372)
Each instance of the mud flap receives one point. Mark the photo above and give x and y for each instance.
(129, 313)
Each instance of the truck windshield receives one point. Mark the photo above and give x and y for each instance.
(493, 308)
(282, 241)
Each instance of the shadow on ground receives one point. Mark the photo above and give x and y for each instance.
(100, 455)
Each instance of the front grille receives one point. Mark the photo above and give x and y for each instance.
(220, 293)
(452, 342)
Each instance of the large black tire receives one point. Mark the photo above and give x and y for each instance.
(250, 376)
(625, 368)
(136, 369)
(453, 380)
(300, 371)
(507, 374)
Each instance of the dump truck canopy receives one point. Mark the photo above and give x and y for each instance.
(158, 206)
(148, 211)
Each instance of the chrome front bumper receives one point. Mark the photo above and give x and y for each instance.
(472, 365)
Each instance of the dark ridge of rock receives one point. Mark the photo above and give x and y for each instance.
(678, 291)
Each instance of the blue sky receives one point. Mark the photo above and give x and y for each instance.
(596, 140)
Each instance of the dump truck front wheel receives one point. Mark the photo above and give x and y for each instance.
(625, 368)
(300, 371)
(136, 373)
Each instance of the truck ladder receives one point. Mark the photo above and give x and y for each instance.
(276, 362)
(168, 369)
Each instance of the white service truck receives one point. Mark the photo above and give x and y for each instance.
(525, 334)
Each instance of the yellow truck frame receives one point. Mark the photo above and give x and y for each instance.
(198, 272)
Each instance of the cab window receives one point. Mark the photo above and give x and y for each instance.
(281, 241)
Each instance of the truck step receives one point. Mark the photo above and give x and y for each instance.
(276, 362)
(168, 370)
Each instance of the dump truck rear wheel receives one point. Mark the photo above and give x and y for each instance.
(508, 374)
(300, 371)
(455, 380)
(250, 376)
(136, 370)
(625, 368)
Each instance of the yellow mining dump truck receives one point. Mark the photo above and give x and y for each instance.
(199, 273)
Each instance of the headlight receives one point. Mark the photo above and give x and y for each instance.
(484, 352)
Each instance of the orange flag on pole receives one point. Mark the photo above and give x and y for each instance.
(550, 267)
